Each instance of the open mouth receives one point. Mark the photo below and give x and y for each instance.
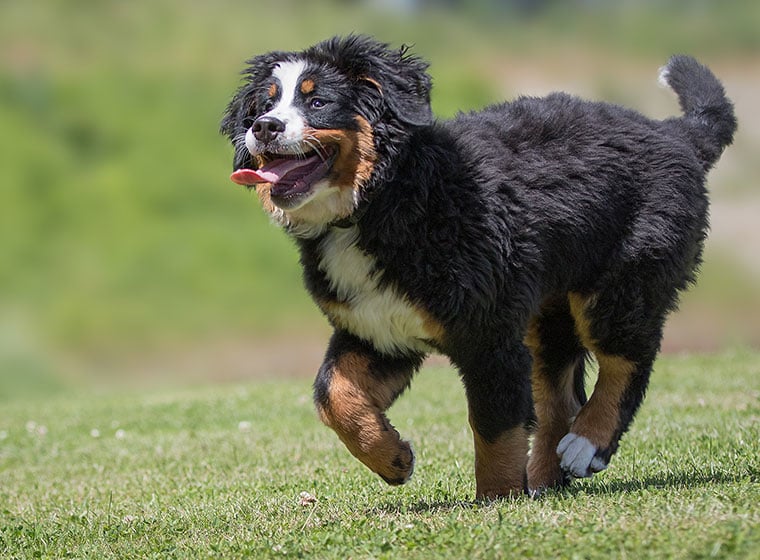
(291, 176)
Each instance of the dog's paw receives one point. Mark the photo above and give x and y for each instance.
(544, 471)
(401, 467)
(579, 456)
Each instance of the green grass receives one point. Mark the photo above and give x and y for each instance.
(217, 473)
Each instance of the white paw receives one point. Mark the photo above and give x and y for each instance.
(578, 456)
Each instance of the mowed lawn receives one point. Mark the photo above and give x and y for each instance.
(249, 472)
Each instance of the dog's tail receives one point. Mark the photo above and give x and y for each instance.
(706, 108)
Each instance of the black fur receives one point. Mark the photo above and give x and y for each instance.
(488, 221)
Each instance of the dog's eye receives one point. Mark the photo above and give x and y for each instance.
(268, 105)
(248, 122)
(317, 102)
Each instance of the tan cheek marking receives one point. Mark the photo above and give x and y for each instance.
(263, 189)
(307, 86)
(599, 418)
(500, 465)
(351, 170)
(365, 148)
(258, 161)
(263, 192)
(357, 155)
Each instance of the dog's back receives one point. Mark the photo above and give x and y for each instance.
(591, 178)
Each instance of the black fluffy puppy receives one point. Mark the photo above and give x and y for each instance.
(517, 241)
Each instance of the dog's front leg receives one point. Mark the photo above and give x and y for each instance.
(499, 400)
(354, 388)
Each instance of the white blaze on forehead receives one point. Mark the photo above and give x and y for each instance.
(289, 74)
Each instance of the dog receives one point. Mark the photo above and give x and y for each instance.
(518, 241)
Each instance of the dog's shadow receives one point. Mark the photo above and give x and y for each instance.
(671, 481)
(674, 480)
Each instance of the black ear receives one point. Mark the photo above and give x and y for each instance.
(400, 78)
(232, 117)
(405, 86)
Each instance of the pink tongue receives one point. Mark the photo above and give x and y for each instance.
(271, 173)
(248, 177)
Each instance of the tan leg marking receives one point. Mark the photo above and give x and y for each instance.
(500, 465)
(555, 406)
(578, 305)
(599, 418)
(555, 410)
(354, 409)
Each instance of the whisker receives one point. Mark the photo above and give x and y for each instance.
(241, 150)
(317, 145)
(316, 148)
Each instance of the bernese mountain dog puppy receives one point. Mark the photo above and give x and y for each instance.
(518, 241)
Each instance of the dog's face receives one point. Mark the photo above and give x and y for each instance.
(312, 130)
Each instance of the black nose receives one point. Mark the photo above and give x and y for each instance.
(266, 129)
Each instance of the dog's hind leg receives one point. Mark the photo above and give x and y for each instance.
(354, 388)
(557, 379)
(625, 345)
(498, 395)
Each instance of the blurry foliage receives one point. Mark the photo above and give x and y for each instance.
(118, 226)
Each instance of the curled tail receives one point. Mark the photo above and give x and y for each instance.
(703, 101)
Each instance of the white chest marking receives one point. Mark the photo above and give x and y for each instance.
(373, 312)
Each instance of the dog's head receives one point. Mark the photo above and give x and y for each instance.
(313, 130)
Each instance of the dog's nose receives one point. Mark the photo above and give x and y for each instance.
(266, 129)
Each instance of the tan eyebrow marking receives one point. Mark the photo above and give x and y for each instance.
(272, 91)
(307, 86)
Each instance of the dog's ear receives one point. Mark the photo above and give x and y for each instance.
(404, 84)
(396, 80)
(232, 116)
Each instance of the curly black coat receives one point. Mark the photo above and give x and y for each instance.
(517, 241)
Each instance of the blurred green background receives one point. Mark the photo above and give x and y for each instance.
(127, 256)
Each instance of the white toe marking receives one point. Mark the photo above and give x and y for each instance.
(578, 456)
(598, 465)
